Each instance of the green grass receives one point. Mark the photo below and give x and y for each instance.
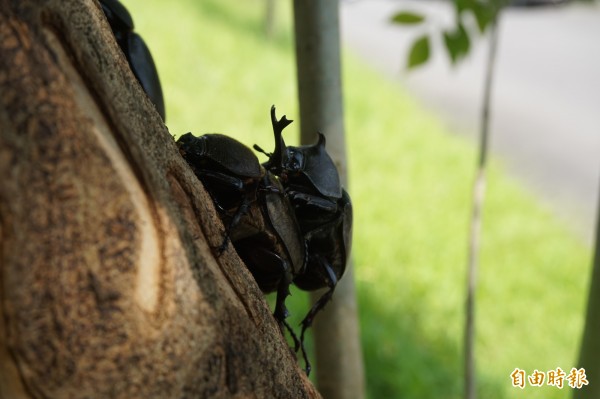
(410, 184)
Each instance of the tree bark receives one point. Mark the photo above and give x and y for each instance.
(340, 373)
(109, 286)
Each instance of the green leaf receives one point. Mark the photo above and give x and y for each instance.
(407, 18)
(484, 14)
(419, 53)
(457, 42)
(461, 5)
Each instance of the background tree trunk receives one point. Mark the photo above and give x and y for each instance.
(589, 353)
(339, 362)
(109, 287)
(269, 18)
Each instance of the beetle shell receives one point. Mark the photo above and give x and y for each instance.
(228, 169)
(220, 152)
(268, 238)
(144, 69)
(136, 52)
(283, 220)
(118, 16)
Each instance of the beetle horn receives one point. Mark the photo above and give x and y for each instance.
(276, 160)
(322, 140)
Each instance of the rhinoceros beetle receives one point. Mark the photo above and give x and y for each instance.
(289, 219)
(135, 50)
(229, 170)
(322, 207)
(260, 221)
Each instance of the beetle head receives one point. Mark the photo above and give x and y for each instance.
(308, 165)
(313, 163)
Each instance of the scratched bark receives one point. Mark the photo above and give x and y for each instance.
(108, 284)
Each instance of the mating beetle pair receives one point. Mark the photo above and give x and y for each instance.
(289, 219)
(322, 208)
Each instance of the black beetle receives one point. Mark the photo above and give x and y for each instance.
(260, 221)
(289, 219)
(322, 207)
(135, 50)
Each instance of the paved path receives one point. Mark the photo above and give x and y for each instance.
(546, 104)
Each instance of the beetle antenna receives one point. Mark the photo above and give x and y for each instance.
(259, 149)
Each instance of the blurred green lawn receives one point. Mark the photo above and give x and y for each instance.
(410, 183)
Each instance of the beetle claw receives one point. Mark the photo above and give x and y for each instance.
(223, 246)
(307, 367)
(292, 334)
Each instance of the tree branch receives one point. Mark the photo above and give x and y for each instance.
(109, 286)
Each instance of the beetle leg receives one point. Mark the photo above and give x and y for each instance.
(317, 307)
(220, 178)
(266, 186)
(241, 211)
(281, 313)
(321, 302)
(283, 291)
(237, 184)
(323, 204)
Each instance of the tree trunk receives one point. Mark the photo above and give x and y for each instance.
(338, 353)
(269, 18)
(108, 284)
(589, 354)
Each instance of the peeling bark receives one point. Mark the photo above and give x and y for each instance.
(108, 284)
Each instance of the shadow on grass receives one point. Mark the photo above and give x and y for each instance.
(403, 361)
